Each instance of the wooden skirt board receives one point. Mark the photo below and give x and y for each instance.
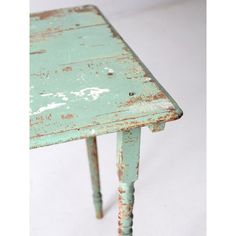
(86, 81)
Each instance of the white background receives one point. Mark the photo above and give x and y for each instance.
(169, 37)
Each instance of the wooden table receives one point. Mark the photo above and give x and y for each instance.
(86, 81)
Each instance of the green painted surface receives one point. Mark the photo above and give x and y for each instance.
(157, 127)
(85, 80)
(128, 153)
(94, 174)
(126, 204)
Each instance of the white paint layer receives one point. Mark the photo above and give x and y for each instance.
(46, 94)
(90, 93)
(58, 94)
(48, 107)
(62, 96)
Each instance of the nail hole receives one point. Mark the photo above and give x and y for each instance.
(110, 72)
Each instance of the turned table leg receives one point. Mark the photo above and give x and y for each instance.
(94, 174)
(128, 148)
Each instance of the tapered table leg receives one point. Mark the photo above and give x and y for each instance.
(94, 174)
(128, 148)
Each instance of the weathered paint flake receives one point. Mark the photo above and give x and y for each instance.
(58, 94)
(48, 107)
(128, 151)
(46, 94)
(90, 93)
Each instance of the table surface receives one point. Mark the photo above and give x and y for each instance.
(86, 81)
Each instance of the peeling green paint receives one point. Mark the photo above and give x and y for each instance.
(157, 127)
(128, 145)
(94, 174)
(126, 204)
(85, 81)
(128, 152)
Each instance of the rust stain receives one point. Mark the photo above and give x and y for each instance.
(47, 14)
(94, 59)
(137, 169)
(67, 68)
(84, 8)
(31, 123)
(114, 112)
(67, 116)
(78, 9)
(120, 214)
(121, 169)
(149, 98)
(125, 213)
(126, 49)
(49, 117)
(171, 109)
(131, 124)
(95, 164)
(38, 52)
(38, 135)
(35, 122)
(40, 119)
(43, 35)
(94, 150)
(121, 191)
(114, 33)
(41, 75)
(169, 117)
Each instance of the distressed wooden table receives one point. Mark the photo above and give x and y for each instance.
(86, 81)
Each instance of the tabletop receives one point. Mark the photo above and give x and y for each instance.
(86, 81)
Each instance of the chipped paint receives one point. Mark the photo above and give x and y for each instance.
(62, 96)
(146, 98)
(147, 79)
(109, 71)
(47, 107)
(90, 93)
(156, 127)
(128, 149)
(67, 68)
(128, 143)
(150, 106)
(125, 205)
(58, 94)
(67, 116)
(107, 89)
(38, 52)
(47, 14)
(94, 174)
(46, 94)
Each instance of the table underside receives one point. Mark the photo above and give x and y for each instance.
(86, 81)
